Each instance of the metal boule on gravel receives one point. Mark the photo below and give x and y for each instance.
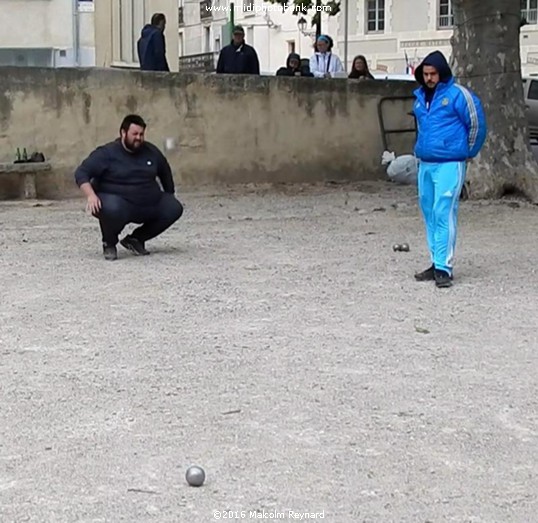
(195, 476)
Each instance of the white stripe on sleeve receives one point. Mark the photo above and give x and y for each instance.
(473, 132)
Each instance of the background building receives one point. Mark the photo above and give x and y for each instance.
(47, 33)
(388, 30)
(394, 35)
(198, 29)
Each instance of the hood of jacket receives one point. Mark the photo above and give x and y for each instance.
(148, 30)
(292, 56)
(437, 60)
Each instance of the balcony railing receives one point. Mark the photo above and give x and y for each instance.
(180, 16)
(199, 63)
(446, 21)
(530, 15)
(205, 10)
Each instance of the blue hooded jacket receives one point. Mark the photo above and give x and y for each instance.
(451, 121)
(152, 49)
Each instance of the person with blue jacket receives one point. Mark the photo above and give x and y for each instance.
(151, 45)
(451, 130)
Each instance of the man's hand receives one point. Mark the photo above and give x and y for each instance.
(93, 205)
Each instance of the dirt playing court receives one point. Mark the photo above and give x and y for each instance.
(275, 339)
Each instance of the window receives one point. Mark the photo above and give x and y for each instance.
(131, 15)
(533, 90)
(529, 10)
(207, 39)
(181, 44)
(375, 16)
(217, 44)
(445, 20)
(291, 46)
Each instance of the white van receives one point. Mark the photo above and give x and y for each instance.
(389, 76)
(530, 94)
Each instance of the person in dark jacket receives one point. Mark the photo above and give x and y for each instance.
(152, 46)
(119, 180)
(360, 69)
(238, 57)
(294, 67)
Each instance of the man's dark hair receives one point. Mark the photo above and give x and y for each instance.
(132, 119)
(157, 18)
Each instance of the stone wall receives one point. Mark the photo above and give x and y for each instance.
(230, 129)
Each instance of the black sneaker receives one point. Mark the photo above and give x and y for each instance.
(442, 278)
(134, 245)
(110, 252)
(427, 275)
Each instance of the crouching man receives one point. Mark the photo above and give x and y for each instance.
(119, 180)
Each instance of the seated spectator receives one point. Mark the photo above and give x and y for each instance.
(360, 70)
(294, 67)
(323, 63)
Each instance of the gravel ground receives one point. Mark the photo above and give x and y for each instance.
(275, 339)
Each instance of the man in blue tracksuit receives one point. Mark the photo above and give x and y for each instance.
(451, 130)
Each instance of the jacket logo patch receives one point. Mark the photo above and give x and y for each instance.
(445, 101)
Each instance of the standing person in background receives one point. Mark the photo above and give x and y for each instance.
(152, 46)
(360, 70)
(238, 57)
(323, 63)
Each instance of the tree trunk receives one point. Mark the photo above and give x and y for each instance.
(486, 58)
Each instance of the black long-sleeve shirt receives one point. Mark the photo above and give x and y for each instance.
(133, 175)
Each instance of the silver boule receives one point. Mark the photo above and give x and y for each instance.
(195, 476)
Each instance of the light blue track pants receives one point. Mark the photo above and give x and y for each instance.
(439, 189)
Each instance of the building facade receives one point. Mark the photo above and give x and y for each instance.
(47, 33)
(273, 31)
(394, 35)
(198, 29)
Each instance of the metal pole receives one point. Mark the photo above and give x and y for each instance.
(76, 35)
(346, 27)
(318, 15)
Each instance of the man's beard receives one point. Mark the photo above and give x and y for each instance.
(132, 145)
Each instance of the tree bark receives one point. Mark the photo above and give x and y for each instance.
(486, 58)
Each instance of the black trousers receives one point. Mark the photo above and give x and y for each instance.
(116, 212)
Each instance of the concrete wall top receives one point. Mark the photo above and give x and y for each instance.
(229, 128)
